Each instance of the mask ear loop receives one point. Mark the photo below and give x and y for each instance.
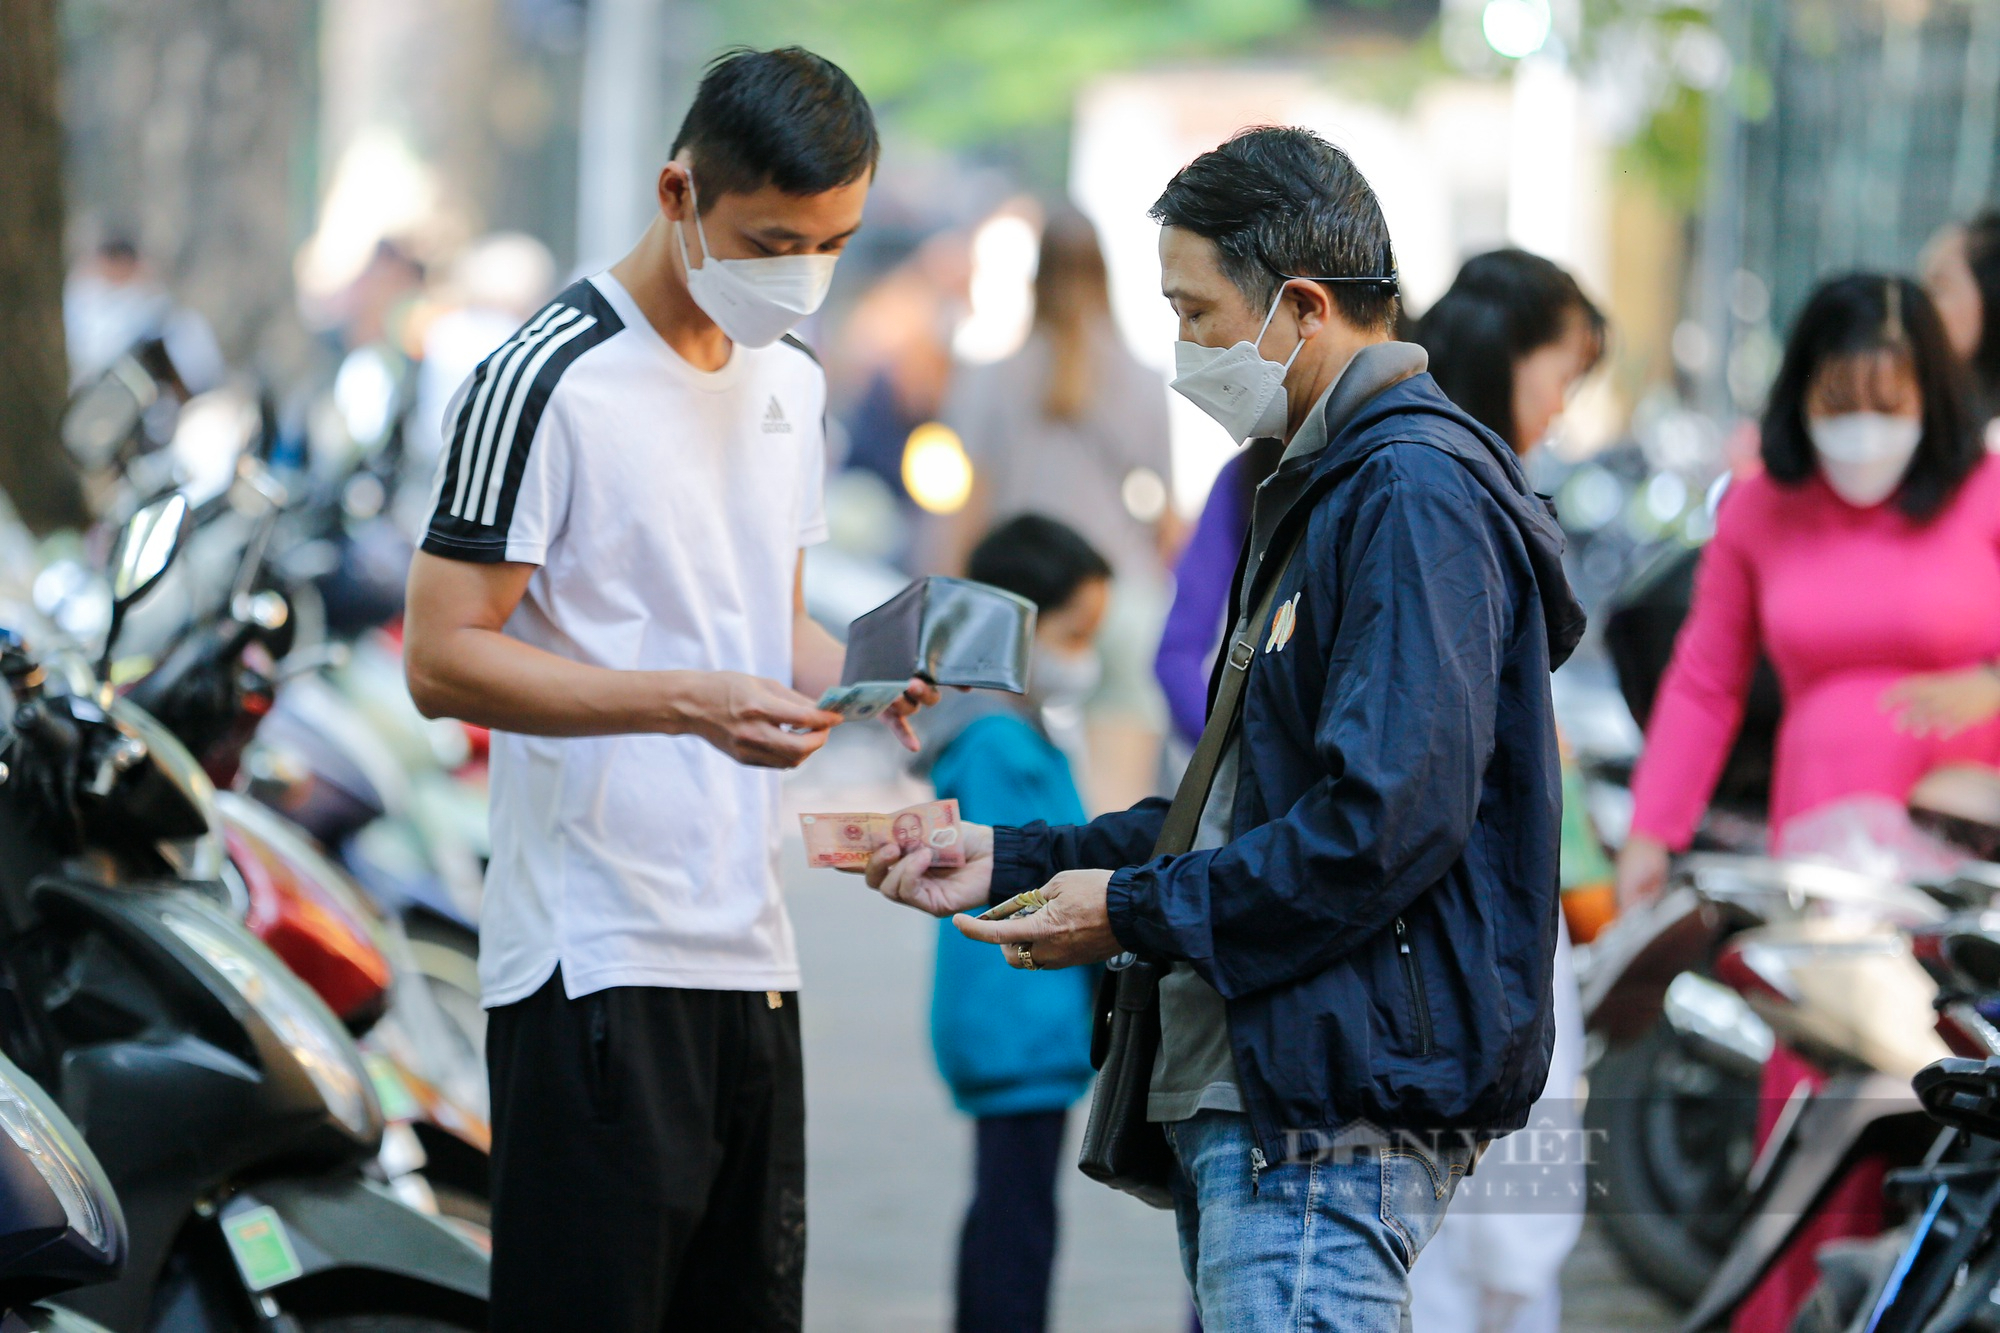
(1265, 328)
(680, 230)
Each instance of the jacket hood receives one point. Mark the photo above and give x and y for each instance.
(1488, 458)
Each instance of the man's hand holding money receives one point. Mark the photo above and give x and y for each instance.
(767, 725)
(915, 880)
(752, 720)
(1072, 926)
(894, 704)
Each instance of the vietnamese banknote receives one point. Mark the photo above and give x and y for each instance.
(844, 841)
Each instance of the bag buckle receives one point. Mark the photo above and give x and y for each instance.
(1241, 654)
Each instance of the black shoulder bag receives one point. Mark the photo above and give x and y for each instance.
(1120, 1147)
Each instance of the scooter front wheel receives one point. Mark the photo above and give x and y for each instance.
(1675, 1135)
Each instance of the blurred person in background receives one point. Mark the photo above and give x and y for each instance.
(1508, 342)
(493, 287)
(112, 302)
(896, 348)
(1962, 273)
(1074, 427)
(1864, 561)
(374, 307)
(1013, 1047)
(1202, 575)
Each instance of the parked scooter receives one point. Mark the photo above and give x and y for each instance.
(1675, 1096)
(349, 759)
(1853, 1010)
(210, 694)
(339, 749)
(1940, 1271)
(213, 677)
(358, 960)
(266, 574)
(229, 1107)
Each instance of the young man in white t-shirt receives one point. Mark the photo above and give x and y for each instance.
(610, 581)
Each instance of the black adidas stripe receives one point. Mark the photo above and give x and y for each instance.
(497, 422)
(487, 433)
(473, 408)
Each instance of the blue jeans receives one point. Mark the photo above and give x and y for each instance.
(1311, 1246)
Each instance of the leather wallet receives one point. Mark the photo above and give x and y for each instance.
(949, 632)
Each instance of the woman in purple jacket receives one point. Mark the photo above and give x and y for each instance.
(1201, 587)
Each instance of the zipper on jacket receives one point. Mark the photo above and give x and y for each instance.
(1418, 1000)
(1257, 1165)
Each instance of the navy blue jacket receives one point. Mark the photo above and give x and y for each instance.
(1383, 923)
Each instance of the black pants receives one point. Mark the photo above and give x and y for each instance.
(648, 1162)
(1008, 1249)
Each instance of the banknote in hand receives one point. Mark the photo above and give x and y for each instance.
(864, 699)
(844, 841)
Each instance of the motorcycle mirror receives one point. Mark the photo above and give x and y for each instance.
(1976, 957)
(1961, 1093)
(105, 413)
(146, 546)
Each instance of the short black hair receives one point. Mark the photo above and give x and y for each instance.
(786, 118)
(1859, 315)
(1281, 202)
(1036, 557)
(1502, 307)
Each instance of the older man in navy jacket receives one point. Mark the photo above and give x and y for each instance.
(1361, 939)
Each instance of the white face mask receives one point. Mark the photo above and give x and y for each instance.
(754, 301)
(1236, 385)
(1062, 680)
(1863, 455)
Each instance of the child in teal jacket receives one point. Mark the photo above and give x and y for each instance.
(1014, 1046)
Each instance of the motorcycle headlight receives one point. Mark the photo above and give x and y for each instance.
(301, 1020)
(36, 1135)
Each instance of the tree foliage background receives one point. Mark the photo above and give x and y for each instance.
(963, 72)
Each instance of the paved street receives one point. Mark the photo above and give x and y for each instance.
(890, 1157)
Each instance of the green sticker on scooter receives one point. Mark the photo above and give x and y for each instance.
(262, 1250)
(398, 1102)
